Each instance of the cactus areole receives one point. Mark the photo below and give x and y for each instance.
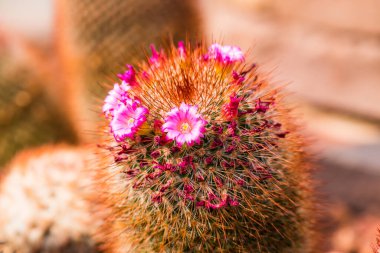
(203, 159)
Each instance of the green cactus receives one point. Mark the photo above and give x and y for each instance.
(206, 159)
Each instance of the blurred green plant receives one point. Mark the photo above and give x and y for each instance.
(27, 116)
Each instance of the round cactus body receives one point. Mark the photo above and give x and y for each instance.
(44, 204)
(206, 158)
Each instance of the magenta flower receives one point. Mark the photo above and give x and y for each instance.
(181, 49)
(129, 76)
(184, 125)
(230, 110)
(157, 56)
(117, 96)
(127, 120)
(225, 54)
(238, 78)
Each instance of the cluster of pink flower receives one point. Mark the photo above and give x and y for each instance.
(183, 124)
(225, 54)
(147, 132)
(126, 113)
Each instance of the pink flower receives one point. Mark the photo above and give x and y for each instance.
(184, 125)
(230, 110)
(222, 203)
(181, 49)
(117, 96)
(167, 185)
(129, 76)
(157, 57)
(128, 118)
(233, 202)
(262, 106)
(238, 78)
(157, 197)
(225, 54)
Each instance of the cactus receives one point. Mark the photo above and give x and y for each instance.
(106, 32)
(43, 202)
(206, 158)
(28, 116)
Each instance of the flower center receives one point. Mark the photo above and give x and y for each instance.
(185, 128)
(130, 121)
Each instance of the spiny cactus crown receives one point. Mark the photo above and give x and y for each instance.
(202, 157)
(191, 129)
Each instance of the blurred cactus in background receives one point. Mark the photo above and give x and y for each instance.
(206, 158)
(43, 202)
(28, 116)
(107, 33)
(96, 37)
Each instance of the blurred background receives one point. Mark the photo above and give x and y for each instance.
(56, 56)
